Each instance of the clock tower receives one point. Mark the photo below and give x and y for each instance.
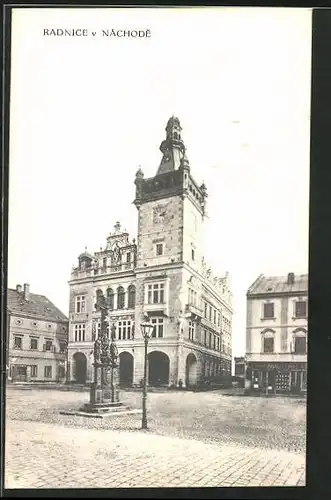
(171, 208)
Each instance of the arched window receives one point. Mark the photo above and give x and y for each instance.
(120, 297)
(99, 296)
(299, 341)
(268, 341)
(110, 298)
(132, 297)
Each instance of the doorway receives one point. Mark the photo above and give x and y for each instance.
(80, 368)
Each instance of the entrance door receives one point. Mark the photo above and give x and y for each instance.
(126, 369)
(80, 368)
(296, 382)
(158, 368)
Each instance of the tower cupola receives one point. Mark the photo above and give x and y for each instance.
(172, 148)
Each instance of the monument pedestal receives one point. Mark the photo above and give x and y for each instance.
(104, 395)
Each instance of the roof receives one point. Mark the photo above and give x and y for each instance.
(37, 306)
(265, 285)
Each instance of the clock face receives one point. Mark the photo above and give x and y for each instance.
(159, 214)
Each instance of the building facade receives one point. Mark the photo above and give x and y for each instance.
(162, 274)
(240, 367)
(277, 332)
(37, 338)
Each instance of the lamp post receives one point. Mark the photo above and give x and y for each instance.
(146, 330)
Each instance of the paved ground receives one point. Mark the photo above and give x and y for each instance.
(193, 440)
(52, 456)
(275, 423)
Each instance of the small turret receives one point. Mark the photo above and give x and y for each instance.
(138, 182)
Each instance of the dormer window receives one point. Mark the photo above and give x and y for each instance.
(128, 257)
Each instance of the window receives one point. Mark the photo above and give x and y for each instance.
(159, 249)
(104, 262)
(192, 254)
(214, 346)
(191, 330)
(125, 329)
(128, 257)
(300, 309)
(120, 298)
(218, 343)
(218, 319)
(80, 303)
(18, 342)
(209, 343)
(268, 344)
(34, 370)
(110, 298)
(34, 344)
(205, 337)
(268, 310)
(48, 372)
(192, 297)
(99, 296)
(300, 345)
(80, 332)
(158, 327)
(99, 330)
(131, 297)
(206, 306)
(62, 347)
(155, 293)
(48, 345)
(62, 372)
(210, 313)
(214, 317)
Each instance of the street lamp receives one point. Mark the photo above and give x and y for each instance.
(146, 330)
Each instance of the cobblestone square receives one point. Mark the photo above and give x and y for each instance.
(193, 440)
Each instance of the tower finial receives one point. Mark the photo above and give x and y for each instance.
(172, 147)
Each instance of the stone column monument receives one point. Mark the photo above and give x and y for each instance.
(104, 394)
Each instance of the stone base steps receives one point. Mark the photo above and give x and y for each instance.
(114, 412)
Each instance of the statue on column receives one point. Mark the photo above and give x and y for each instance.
(97, 351)
(180, 324)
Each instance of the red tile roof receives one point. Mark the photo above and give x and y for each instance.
(37, 306)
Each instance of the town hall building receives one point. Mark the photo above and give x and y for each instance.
(162, 274)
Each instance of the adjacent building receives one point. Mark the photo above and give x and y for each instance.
(37, 337)
(240, 367)
(163, 274)
(277, 331)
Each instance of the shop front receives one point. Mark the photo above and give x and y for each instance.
(278, 378)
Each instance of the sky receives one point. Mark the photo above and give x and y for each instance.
(86, 112)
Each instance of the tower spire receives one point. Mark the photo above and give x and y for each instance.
(172, 148)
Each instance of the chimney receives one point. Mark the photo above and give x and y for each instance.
(26, 291)
(290, 279)
(19, 288)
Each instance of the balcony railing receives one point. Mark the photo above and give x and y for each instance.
(90, 271)
(190, 308)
